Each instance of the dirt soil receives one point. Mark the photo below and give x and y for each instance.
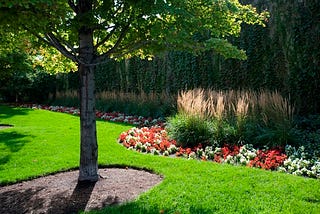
(61, 193)
(5, 126)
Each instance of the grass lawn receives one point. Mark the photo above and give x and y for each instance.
(43, 142)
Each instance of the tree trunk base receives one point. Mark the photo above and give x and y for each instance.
(88, 179)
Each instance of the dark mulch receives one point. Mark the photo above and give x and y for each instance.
(61, 193)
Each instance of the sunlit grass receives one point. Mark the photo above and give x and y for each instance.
(43, 142)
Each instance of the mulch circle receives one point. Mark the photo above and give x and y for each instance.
(61, 193)
(5, 126)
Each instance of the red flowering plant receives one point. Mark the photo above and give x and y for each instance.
(191, 153)
(269, 159)
(155, 140)
(150, 140)
(221, 154)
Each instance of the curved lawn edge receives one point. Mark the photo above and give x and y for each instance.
(155, 140)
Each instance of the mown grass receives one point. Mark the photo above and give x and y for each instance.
(43, 142)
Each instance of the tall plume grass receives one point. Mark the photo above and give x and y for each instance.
(145, 104)
(268, 114)
(193, 102)
(214, 104)
(275, 108)
(265, 105)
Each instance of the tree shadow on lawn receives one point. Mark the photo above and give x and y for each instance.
(10, 142)
(136, 208)
(7, 111)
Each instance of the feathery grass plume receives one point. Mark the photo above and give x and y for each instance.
(220, 107)
(241, 112)
(70, 94)
(275, 108)
(277, 116)
(66, 98)
(241, 107)
(192, 102)
(145, 104)
(216, 104)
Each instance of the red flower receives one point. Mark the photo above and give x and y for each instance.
(269, 159)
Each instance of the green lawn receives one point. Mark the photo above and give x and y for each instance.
(43, 142)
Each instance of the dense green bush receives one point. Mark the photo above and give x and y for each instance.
(190, 130)
(307, 134)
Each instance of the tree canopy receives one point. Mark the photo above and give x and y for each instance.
(125, 28)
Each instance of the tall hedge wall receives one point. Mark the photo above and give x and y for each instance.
(283, 56)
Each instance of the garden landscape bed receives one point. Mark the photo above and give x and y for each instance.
(150, 136)
(31, 150)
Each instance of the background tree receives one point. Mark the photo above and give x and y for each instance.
(90, 32)
(26, 68)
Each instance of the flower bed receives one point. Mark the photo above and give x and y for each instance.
(155, 140)
(113, 116)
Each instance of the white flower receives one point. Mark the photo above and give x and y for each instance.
(138, 145)
(192, 155)
(172, 149)
(297, 172)
(229, 159)
(282, 169)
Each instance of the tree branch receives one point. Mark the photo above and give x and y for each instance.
(66, 44)
(122, 52)
(73, 6)
(121, 36)
(55, 43)
(36, 34)
(105, 38)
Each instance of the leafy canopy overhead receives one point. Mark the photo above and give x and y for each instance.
(126, 28)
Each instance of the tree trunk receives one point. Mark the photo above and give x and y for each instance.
(89, 146)
(88, 171)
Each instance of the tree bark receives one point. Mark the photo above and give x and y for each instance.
(88, 170)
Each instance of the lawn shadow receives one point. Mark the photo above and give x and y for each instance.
(7, 111)
(136, 208)
(10, 142)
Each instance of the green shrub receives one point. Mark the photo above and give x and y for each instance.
(224, 132)
(307, 134)
(190, 130)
